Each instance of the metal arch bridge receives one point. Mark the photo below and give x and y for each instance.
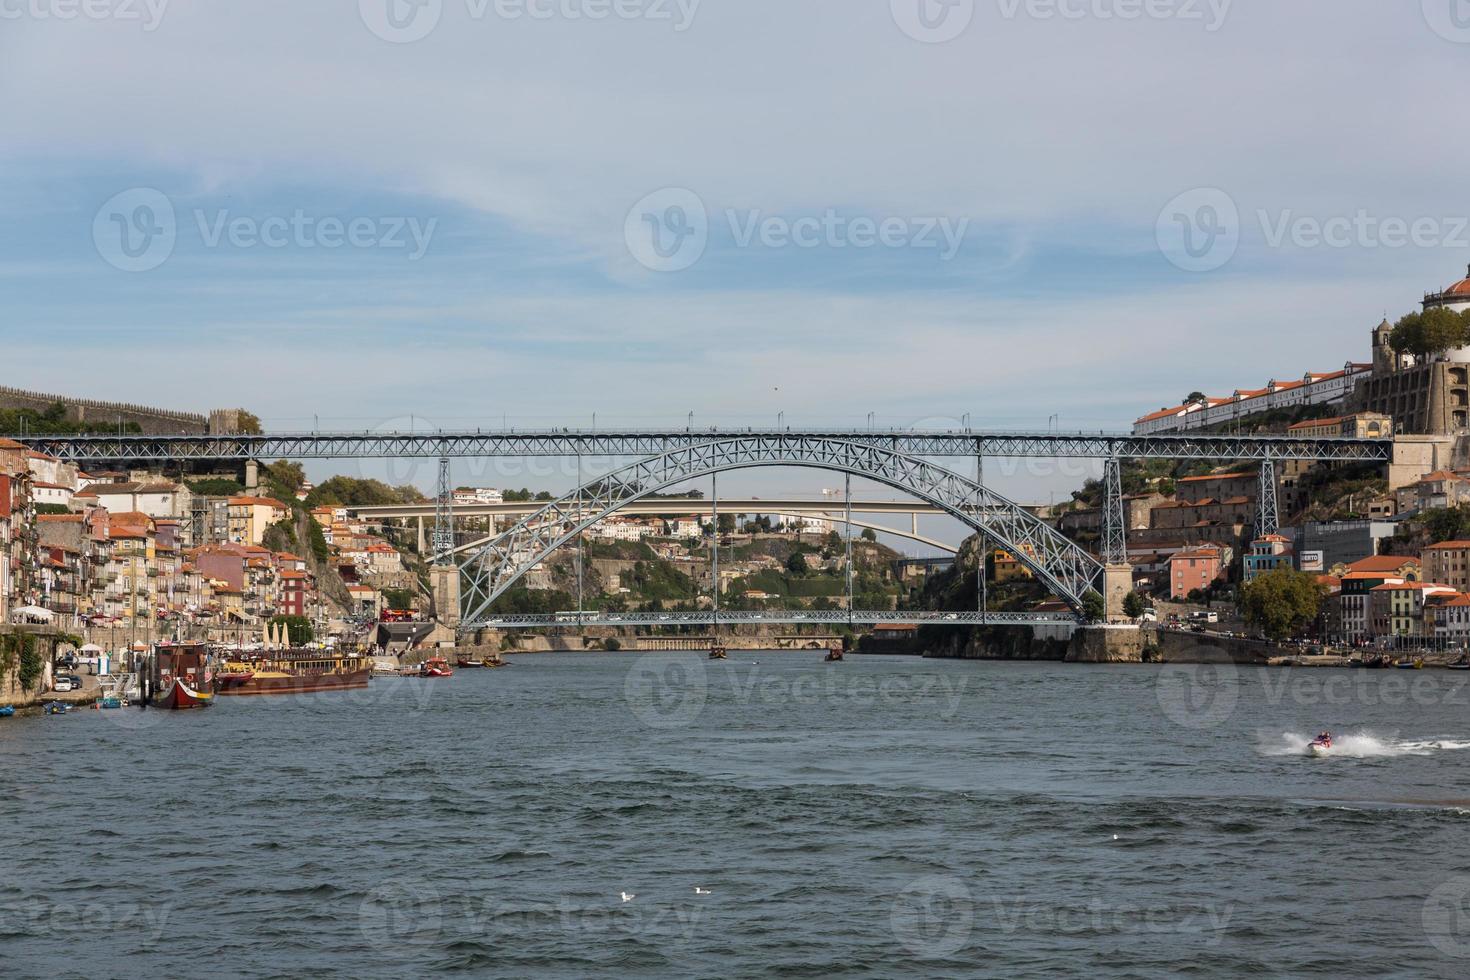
(1060, 564)
(488, 443)
(827, 509)
(1070, 574)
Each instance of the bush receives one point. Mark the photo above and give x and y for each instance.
(612, 644)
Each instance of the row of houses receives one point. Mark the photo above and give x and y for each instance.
(1331, 388)
(82, 550)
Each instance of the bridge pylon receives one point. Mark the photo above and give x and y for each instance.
(444, 584)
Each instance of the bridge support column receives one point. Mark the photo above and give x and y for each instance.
(1117, 583)
(252, 475)
(444, 581)
(1115, 519)
(1268, 515)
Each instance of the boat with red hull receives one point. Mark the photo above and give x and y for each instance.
(179, 696)
(293, 672)
(436, 667)
(181, 678)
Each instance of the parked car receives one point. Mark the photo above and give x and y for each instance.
(68, 662)
(76, 682)
(62, 685)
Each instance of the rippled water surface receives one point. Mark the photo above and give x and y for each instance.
(873, 818)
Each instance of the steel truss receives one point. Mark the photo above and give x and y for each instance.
(568, 442)
(833, 617)
(1115, 517)
(1061, 565)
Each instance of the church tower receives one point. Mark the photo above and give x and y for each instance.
(1385, 361)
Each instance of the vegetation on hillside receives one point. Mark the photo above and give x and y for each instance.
(347, 491)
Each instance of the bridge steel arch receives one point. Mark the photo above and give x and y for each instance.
(1060, 564)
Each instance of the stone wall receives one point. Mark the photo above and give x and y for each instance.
(1430, 399)
(153, 421)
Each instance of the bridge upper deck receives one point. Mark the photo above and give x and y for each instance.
(488, 443)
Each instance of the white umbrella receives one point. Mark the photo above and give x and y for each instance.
(92, 648)
(33, 612)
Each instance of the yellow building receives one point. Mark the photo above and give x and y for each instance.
(1364, 425)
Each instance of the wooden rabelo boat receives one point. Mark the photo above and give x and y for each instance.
(292, 672)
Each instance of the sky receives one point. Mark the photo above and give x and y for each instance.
(357, 213)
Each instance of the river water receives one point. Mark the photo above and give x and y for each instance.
(880, 817)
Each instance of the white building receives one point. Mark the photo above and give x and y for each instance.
(154, 499)
(1312, 389)
(617, 529)
(478, 495)
(50, 493)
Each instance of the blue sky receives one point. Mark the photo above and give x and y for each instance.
(522, 148)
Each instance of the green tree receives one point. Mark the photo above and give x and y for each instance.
(249, 423)
(1447, 524)
(869, 534)
(727, 523)
(1282, 601)
(1430, 332)
(286, 475)
(796, 564)
(1094, 608)
(399, 598)
(298, 629)
(1194, 396)
(1133, 605)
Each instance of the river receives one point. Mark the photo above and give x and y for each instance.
(768, 815)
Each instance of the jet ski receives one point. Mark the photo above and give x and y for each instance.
(1321, 745)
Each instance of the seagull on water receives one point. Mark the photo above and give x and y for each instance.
(627, 897)
(702, 891)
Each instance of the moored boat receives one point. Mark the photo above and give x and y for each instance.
(181, 678)
(1408, 664)
(293, 672)
(7, 711)
(179, 696)
(834, 655)
(718, 653)
(436, 667)
(1462, 664)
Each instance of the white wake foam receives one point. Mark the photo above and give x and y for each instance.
(1360, 745)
